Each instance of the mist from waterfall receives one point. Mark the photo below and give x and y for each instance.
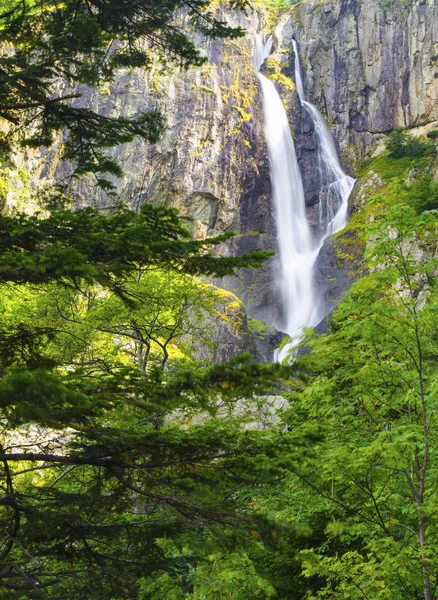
(336, 186)
(297, 249)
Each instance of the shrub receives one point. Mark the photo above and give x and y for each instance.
(423, 194)
(400, 143)
(433, 135)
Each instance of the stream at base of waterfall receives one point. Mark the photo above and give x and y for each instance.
(298, 245)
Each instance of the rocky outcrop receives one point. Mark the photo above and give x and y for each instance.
(211, 163)
(339, 263)
(369, 66)
(227, 331)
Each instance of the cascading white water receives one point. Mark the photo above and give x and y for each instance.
(297, 252)
(336, 186)
(298, 249)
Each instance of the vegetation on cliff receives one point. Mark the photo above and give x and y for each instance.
(128, 471)
(48, 49)
(131, 470)
(366, 414)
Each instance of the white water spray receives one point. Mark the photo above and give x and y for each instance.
(296, 246)
(298, 249)
(336, 186)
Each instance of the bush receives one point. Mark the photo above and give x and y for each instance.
(400, 143)
(423, 194)
(433, 135)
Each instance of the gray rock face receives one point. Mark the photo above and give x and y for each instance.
(368, 66)
(226, 333)
(212, 155)
(211, 163)
(335, 271)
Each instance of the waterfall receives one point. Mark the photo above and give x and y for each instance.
(298, 248)
(336, 186)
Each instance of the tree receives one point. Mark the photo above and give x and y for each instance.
(364, 418)
(400, 143)
(48, 48)
(100, 455)
(168, 312)
(84, 244)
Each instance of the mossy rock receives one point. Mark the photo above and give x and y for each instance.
(259, 328)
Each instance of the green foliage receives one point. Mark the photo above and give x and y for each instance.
(408, 179)
(401, 144)
(277, 4)
(389, 167)
(131, 471)
(113, 439)
(362, 429)
(259, 328)
(216, 576)
(86, 245)
(433, 135)
(143, 444)
(47, 49)
(150, 483)
(423, 194)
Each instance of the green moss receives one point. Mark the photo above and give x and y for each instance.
(16, 182)
(406, 179)
(389, 167)
(205, 88)
(423, 194)
(244, 117)
(241, 94)
(274, 9)
(350, 249)
(259, 328)
(200, 148)
(276, 66)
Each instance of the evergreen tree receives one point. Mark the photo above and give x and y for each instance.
(400, 143)
(104, 455)
(48, 48)
(105, 458)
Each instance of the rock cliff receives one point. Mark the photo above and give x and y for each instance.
(368, 66)
(211, 163)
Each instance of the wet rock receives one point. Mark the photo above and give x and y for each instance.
(267, 343)
(339, 264)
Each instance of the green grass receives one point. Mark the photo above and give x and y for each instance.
(390, 168)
